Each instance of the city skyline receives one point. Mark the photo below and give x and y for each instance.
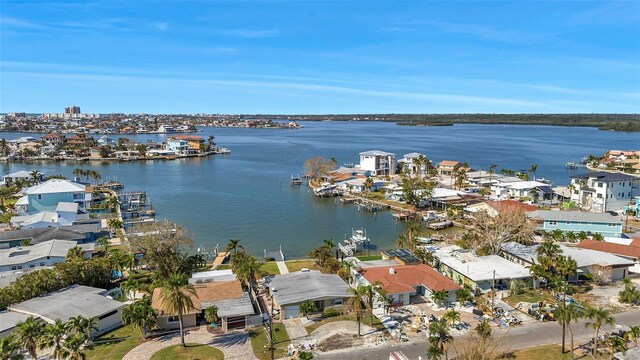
(320, 57)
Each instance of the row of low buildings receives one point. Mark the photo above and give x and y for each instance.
(59, 145)
(599, 191)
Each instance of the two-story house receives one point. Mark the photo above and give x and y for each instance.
(378, 162)
(604, 191)
(46, 196)
(577, 221)
(195, 144)
(448, 167)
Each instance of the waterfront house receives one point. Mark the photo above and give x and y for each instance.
(53, 139)
(448, 167)
(21, 175)
(402, 282)
(291, 290)
(522, 189)
(480, 272)
(378, 162)
(577, 221)
(492, 207)
(76, 300)
(80, 233)
(235, 308)
(47, 195)
(106, 141)
(40, 255)
(407, 163)
(625, 248)
(65, 214)
(194, 144)
(586, 260)
(357, 185)
(400, 256)
(604, 191)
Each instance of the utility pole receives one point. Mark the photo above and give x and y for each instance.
(493, 292)
(271, 340)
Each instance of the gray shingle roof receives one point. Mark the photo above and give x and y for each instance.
(301, 286)
(67, 303)
(9, 320)
(574, 216)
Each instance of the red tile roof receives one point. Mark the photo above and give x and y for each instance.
(406, 277)
(512, 203)
(631, 250)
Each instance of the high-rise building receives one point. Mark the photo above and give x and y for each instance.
(72, 110)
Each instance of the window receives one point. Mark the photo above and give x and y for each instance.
(576, 192)
(172, 318)
(599, 184)
(611, 225)
(39, 196)
(16, 267)
(553, 222)
(338, 302)
(42, 264)
(599, 196)
(109, 314)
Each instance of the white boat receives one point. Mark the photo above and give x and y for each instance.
(325, 189)
(359, 236)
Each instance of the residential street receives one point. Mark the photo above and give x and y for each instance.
(516, 338)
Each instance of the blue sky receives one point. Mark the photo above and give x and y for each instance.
(320, 56)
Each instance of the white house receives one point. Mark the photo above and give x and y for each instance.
(44, 254)
(65, 214)
(378, 162)
(46, 196)
(21, 175)
(105, 140)
(407, 163)
(604, 191)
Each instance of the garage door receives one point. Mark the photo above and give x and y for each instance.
(237, 322)
(291, 312)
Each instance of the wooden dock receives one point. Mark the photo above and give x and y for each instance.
(220, 258)
(440, 225)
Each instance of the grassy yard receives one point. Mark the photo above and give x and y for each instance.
(369, 258)
(548, 352)
(115, 344)
(270, 268)
(224, 267)
(260, 342)
(190, 352)
(531, 296)
(346, 317)
(298, 265)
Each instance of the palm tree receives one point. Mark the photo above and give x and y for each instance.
(5, 192)
(114, 224)
(246, 267)
(75, 253)
(597, 317)
(439, 337)
(548, 249)
(103, 242)
(597, 237)
(53, 337)
(617, 344)
(439, 297)
(83, 326)
(73, 347)
(484, 329)
(412, 229)
(129, 287)
(633, 334)
(211, 314)
(368, 184)
(330, 243)
(401, 240)
(79, 173)
(9, 349)
(533, 170)
(95, 175)
(113, 203)
(174, 294)
(35, 176)
(28, 335)
(359, 295)
(140, 315)
(233, 245)
(565, 315)
(451, 316)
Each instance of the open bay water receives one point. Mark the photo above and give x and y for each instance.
(246, 194)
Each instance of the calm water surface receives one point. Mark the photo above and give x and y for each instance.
(247, 195)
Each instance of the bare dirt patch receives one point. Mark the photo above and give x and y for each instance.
(340, 341)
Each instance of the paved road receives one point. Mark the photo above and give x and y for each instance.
(516, 338)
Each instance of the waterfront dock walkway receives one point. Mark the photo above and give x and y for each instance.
(220, 259)
(282, 267)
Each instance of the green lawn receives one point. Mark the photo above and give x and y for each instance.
(190, 352)
(260, 342)
(547, 352)
(369, 258)
(270, 268)
(298, 265)
(115, 344)
(532, 296)
(346, 317)
(224, 267)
